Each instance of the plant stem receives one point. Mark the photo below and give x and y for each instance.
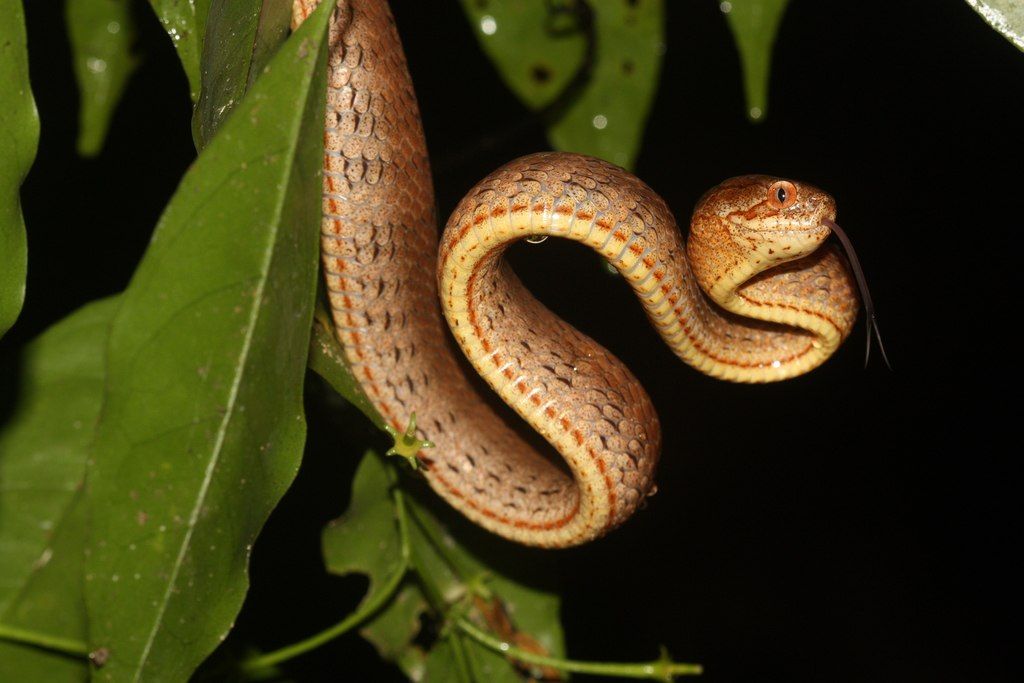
(662, 669)
(461, 661)
(403, 522)
(65, 646)
(368, 609)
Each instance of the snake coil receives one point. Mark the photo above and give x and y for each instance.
(752, 296)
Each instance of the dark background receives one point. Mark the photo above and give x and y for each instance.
(851, 525)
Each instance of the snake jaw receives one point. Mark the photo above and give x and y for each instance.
(765, 247)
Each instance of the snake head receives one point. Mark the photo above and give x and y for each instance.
(751, 223)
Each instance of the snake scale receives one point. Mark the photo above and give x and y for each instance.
(749, 297)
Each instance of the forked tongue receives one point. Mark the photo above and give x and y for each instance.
(865, 295)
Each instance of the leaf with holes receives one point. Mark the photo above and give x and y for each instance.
(522, 591)
(43, 449)
(591, 67)
(754, 24)
(365, 539)
(1005, 16)
(102, 33)
(394, 628)
(202, 428)
(241, 37)
(501, 596)
(19, 135)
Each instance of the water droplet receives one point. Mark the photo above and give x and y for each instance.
(96, 65)
(488, 25)
(726, 7)
(536, 239)
(755, 112)
(600, 121)
(113, 27)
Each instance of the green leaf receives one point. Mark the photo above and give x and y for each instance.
(185, 23)
(43, 448)
(327, 359)
(102, 33)
(366, 539)
(452, 572)
(442, 583)
(1005, 16)
(51, 602)
(43, 451)
(536, 51)
(533, 611)
(241, 37)
(539, 50)
(754, 24)
(19, 135)
(202, 428)
(488, 665)
(442, 665)
(393, 630)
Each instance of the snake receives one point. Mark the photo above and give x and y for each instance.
(755, 294)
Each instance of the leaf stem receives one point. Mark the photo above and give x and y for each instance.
(65, 646)
(402, 515)
(461, 660)
(368, 609)
(661, 669)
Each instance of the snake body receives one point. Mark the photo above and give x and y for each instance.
(773, 304)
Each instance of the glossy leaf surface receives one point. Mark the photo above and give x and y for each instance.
(241, 37)
(754, 24)
(19, 135)
(101, 33)
(592, 67)
(185, 23)
(43, 450)
(203, 428)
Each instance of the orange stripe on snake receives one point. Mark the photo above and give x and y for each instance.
(726, 301)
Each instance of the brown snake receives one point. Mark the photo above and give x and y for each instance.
(781, 304)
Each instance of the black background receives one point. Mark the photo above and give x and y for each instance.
(851, 525)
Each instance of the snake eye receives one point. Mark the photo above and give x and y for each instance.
(782, 194)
